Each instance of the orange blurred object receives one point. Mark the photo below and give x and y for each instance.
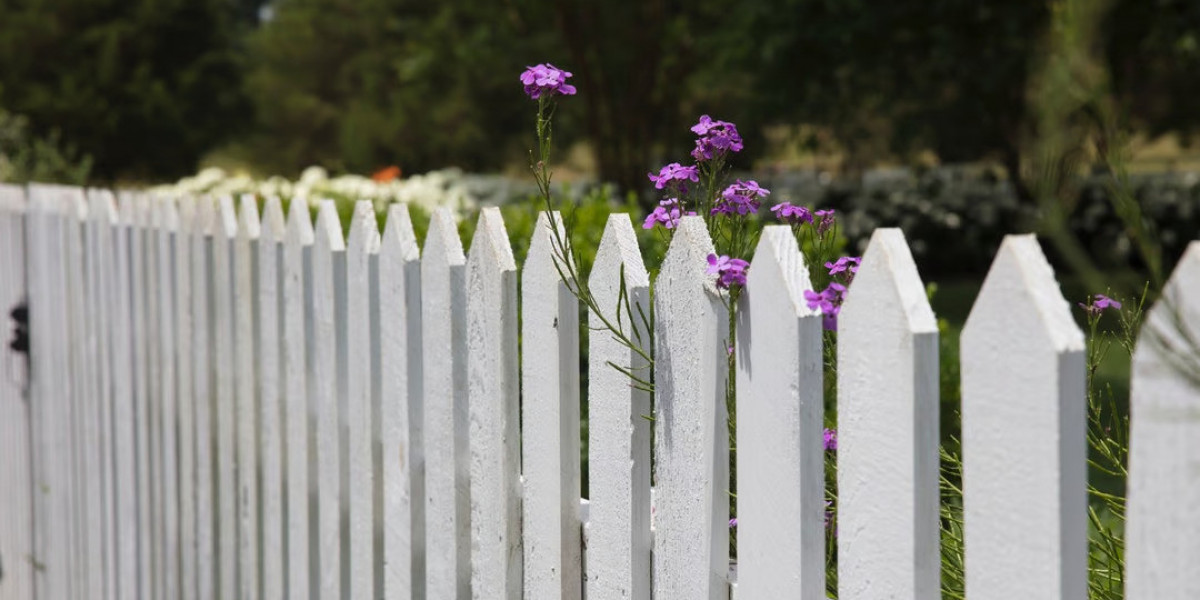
(387, 174)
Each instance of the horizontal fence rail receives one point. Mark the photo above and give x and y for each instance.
(225, 398)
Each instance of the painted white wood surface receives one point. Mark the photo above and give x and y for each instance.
(691, 542)
(328, 250)
(186, 239)
(400, 376)
(204, 416)
(363, 242)
(124, 404)
(494, 405)
(780, 407)
(224, 365)
(1024, 446)
(1163, 526)
(887, 430)
(102, 275)
(618, 549)
(302, 568)
(16, 477)
(166, 231)
(550, 401)
(447, 460)
(270, 380)
(134, 215)
(245, 293)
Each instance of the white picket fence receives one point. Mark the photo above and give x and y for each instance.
(223, 404)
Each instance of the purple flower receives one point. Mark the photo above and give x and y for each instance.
(830, 439)
(674, 172)
(546, 80)
(829, 515)
(846, 264)
(826, 222)
(733, 523)
(729, 271)
(829, 302)
(668, 212)
(716, 138)
(740, 198)
(790, 213)
(1099, 304)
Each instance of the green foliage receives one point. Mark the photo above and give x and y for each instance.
(25, 157)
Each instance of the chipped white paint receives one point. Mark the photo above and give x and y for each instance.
(328, 250)
(550, 398)
(780, 406)
(618, 546)
(691, 543)
(403, 461)
(887, 431)
(185, 240)
(447, 454)
(302, 569)
(270, 377)
(494, 412)
(224, 365)
(1023, 413)
(363, 242)
(245, 292)
(1163, 527)
(203, 404)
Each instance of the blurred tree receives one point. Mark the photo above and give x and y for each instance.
(143, 86)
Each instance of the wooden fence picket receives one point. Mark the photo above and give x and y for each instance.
(1023, 435)
(494, 407)
(246, 410)
(362, 244)
(447, 453)
(691, 541)
(16, 477)
(1163, 526)
(124, 428)
(780, 403)
(204, 405)
(271, 419)
(888, 430)
(303, 572)
(550, 399)
(400, 376)
(224, 365)
(102, 248)
(187, 400)
(166, 223)
(618, 538)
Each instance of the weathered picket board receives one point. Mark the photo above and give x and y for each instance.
(691, 543)
(1023, 434)
(494, 408)
(224, 366)
(185, 241)
(887, 430)
(16, 477)
(204, 405)
(780, 407)
(362, 244)
(103, 215)
(328, 260)
(302, 569)
(447, 453)
(167, 228)
(550, 399)
(245, 294)
(618, 549)
(269, 316)
(1163, 526)
(400, 377)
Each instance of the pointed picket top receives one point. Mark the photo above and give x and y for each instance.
(205, 209)
(143, 208)
(226, 219)
(46, 198)
(186, 211)
(1023, 417)
(364, 229)
(691, 545)
(102, 206)
(442, 244)
(249, 227)
(76, 203)
(781, 477)
(327, 232)
(126, 208)
(398, 239)
(168, 215)
(1163, 526)
(618, 549)
(543, 248)
(299, 224)
(274, 226)
(888, 455)
(491, 240)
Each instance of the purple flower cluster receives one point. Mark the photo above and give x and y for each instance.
(1099, 304)
(845, 266)
(674, 172)
(668, 212)
(546, 80)
(740, 198)
(826, 220)
(792, 214)
(830, 439)
(729, 271)
(829, 302)
(716, 138)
